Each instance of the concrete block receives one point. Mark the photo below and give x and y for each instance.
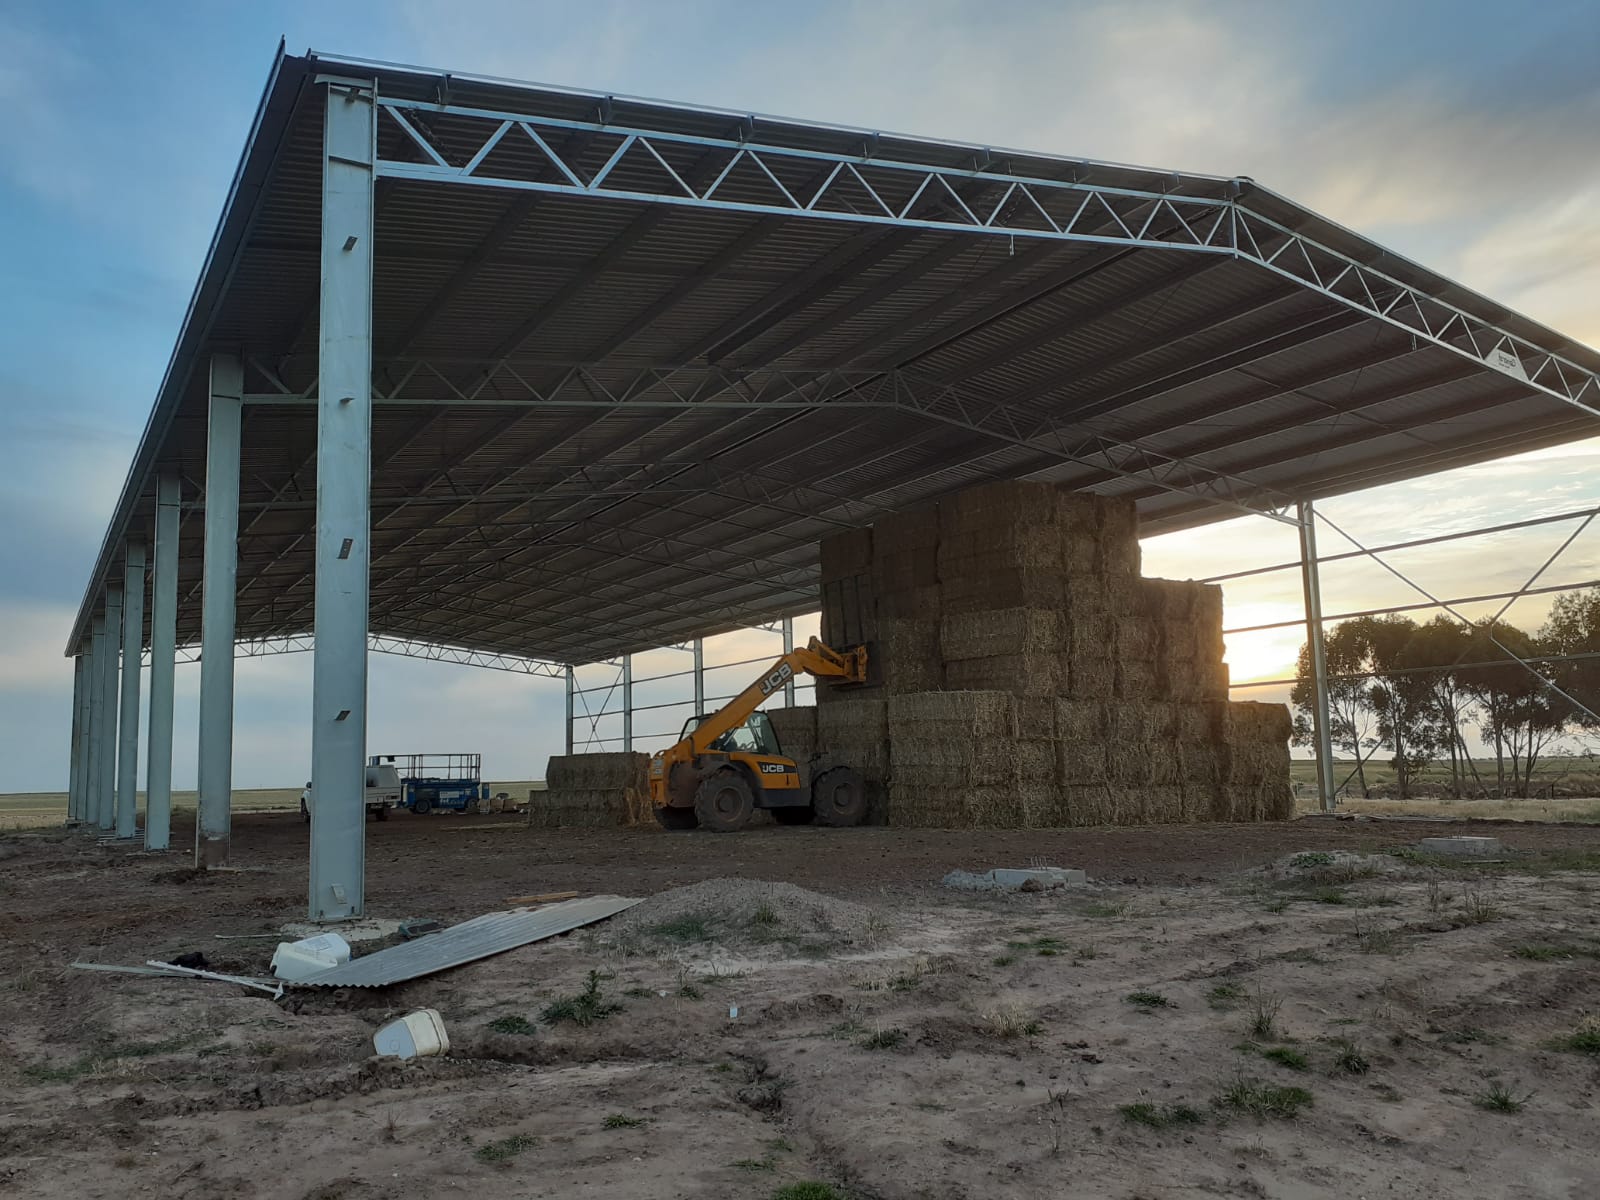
(1461, 847)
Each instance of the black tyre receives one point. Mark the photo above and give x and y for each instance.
(423, 805)
(678, 820)
(382, 814)
(839, 797)
(800, 814)
(724, 802)
(305, 813)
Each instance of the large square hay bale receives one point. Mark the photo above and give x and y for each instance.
(846, 554)
(1034, 675)
(908, 655)
(849, 611)
(1082, 721)
(1138, 680)
(989, 634)
(796, 728)
(593, 790)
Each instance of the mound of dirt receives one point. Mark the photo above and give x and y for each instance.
(1338, 866)
(749, 913)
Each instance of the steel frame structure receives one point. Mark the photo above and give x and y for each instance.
(556, 467)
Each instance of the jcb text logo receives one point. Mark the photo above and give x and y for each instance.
(777, 679)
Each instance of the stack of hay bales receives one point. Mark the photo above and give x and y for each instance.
(593, 790)
(1029, 676)
(796, 728)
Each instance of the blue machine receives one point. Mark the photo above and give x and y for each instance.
(446, 782)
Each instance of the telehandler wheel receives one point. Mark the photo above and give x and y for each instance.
(678, 820)
(799, 814)
(724, 802)
(839, 797)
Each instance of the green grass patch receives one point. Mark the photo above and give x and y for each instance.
(623, 1121)
(506, 1149)
(1583, 1040)
(517, 1024)
(1103, 910)
(884, 1039)
(1554, 952)
(1349, 1059)
(107, 1057)
(1499, 1098)
(1160, 1116)
(1263, 1100)
(1287, 1056)
(691, 927)
(1004, 960)
(1312, 858)
(808, 1189)
(1225, 997)
(1044, 947)
(587, 1007)
(1148, 1000)
(754, 1166)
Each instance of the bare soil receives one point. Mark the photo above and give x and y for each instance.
(914, 1042)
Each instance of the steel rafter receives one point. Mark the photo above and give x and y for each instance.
(649, 166)
(298, 643)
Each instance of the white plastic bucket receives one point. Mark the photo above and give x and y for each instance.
(415, 1035)
(309, 956)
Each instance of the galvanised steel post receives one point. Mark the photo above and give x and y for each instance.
(97, 719)
(627, 702)
(219, 578)
(344, 468)
(699, 677)
(128, 712)
(163, 654)
(106, 798)
(1311, 582)
(788, 645)
(75, 746)
(569, 708)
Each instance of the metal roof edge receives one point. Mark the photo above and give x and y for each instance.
(272, 118)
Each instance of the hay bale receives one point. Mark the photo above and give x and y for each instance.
(989, 634)
(593, 790)
(1091, 677)
(1008, 586)
(1036, 718)
(849, 611)
(1119, 536)
(975, 715)
(1082, 721)
(1033, 675)
(847, 554)
(909, 659)
(1081, 762)
(853, 731)
(976, 807)
(1136, 679)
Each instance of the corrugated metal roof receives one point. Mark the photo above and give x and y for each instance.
(572, 530)
(492, 933)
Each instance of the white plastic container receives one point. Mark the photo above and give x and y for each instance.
(415, 1035)
(309, 956)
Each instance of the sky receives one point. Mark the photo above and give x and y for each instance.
(1463, 134)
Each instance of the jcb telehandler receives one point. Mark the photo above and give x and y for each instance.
(729, 764)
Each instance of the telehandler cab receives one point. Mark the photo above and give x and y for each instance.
(729, 764)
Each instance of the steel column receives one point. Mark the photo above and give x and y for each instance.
(1311, 581)
(106, 798)
(218, 591)
(627, 702)
(699, 677)
(569, 709)
(96, 684)
(163, 655)
(788, 645)
(343, 548)
(128, 711)
(79, 739)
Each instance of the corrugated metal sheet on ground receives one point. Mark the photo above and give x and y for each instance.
(492, 933)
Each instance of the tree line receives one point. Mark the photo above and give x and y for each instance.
(1415, 691)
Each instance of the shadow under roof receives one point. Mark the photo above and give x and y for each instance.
(632, 360)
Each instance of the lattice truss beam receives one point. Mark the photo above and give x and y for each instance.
(257, 647)
(455, 144)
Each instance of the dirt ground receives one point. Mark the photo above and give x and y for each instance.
(1211, 1016)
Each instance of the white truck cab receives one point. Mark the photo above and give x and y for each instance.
(383, 792)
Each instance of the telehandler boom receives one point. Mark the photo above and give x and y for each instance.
(729, 764)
